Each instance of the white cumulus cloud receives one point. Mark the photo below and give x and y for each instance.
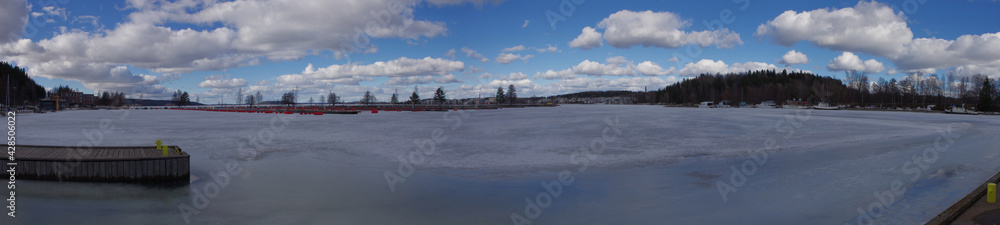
(966, 51)
(868, 27)
(652, 69)
(708, 66)
(507, 58)
(613, 68)
(514, 49)
(794, 58)
(626, 28)
(354, 73)
(219, 81)
(555, 75)
(588, 39)
(13, 16)
(850, 62)
(876, 29)
(422, 80)
(248, 33)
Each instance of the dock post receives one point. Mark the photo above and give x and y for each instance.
(991, 192)
(161, 147)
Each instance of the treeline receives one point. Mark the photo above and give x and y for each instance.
(977, 91)
(113, 99)
(752, 87)
(291, 98)
(595, 94)
(856, 89)
(23, 89)
(180, 98)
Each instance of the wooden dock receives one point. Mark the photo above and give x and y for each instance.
(972, 209)
(111, 164)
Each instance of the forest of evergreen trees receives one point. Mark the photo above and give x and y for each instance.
(856, 90)
(753, 87)
(23, 90)
(595, 94)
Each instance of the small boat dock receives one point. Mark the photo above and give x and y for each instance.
(971, 209)
(108, 164)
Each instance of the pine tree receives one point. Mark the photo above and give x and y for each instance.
(439, 96)
(986, 97)
(23, 89)
(394, 100)
(105, 99)
(414, 99)
(511, 94)
(185, 99)
(500, 96)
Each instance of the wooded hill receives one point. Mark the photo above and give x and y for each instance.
(596, 94)
(913, 91)
(754, 87)
(23, 90)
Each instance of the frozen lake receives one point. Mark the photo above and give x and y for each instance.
(619, 164)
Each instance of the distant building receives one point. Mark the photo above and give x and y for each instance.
(50, 104)
(77, 99)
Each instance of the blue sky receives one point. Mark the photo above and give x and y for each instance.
(213, 48)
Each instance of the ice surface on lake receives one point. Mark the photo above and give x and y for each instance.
(664, 168)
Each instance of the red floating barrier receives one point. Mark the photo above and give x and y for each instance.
(317, 113)
(374, 110)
